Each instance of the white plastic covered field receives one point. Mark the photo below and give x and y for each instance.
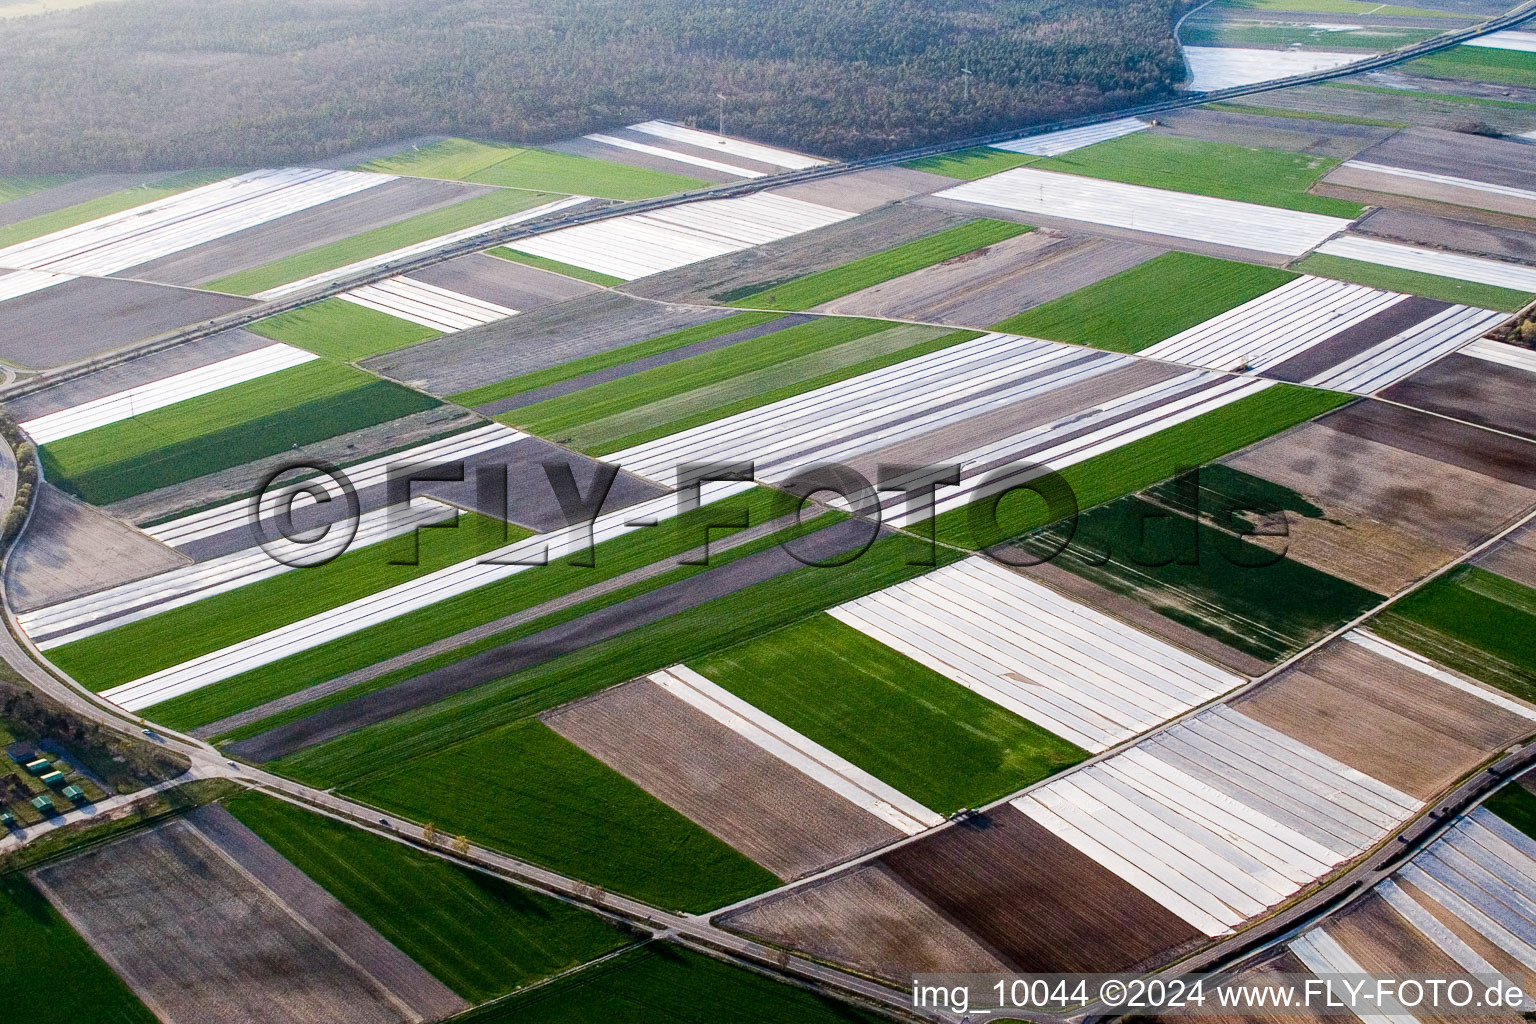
(1222, 67)
(426, 304)
(123, 240)
(679, 155)
(1402, 354)
(1432, 261)
(1067, 140)
(649, 243)
(806, 756)
(725, 144)
(1509, 39)
(1505, 355)
(1068, 668)
(1449, 180)
(1219, 818)
(166, 391)
(16, 283)
(1154, 210)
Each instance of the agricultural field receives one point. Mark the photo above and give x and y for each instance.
(13, 187)
(540, 170)
(342, 330)
(1478, 64)
(106, 205)
(970, 164)
(1431, 286)
(1238, 31)
(480, 936)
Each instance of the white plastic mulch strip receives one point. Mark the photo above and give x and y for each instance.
(398, 600)
(1441, 179)
(1429, 261)
(672, 154)
(1404, 353)
(119, 241)
(236, 514)
(1432, 928)
(1057, 143)
(1222, 67)
(1500, 352)
(16, 283)
(1154, 210)
(1321, 954)
(1408, 659)
(1270, 329)
(798, 751)
(166, 391)
(1068, 668)
(875, 409)
(86, 616)
(725, 144)
(327, 276)
(427, 304)
(649, 243)
(1508, 39)
(1220, 817)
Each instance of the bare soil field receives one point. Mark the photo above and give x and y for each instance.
(59, 197)
(1317, 138)
(201, 942)
(1514, 557)
(1283, 963)
(863, 191)
(1041, 904)
(90, 315)
(1476, 390)
(503, 282)
(1456, 444)
(778, 816)
(753, 270)
(556, 334)
(1360, 338)
(1003, 280)
(134, 372)
(308, 229)
(1406, 104)
(1447, 233)
(1436, 151)
(867, 919)
(1382, 942)
(1410, 731)
(71, 549)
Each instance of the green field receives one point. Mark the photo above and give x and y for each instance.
(14, 187)
(514, 593)
(1230, 33)
(495, 163)
(1140, 307)
(929, 737)
(1204, 578)
(342, 330)
(970, 164)
(1145, 462)
(530, 792)
(813, 290)
(683, 637)
(655, 403)
(1431, 286)
(1516, 805)
(421, 228)
(1270, 177)
(479, 935)
(50, 973)
(665, 984)
(148, 645)
(1307, 115)
(1477, 101)
(227, 428)
(1477, 64)
(614, 357)
(1473, 621)
(102, 206)
(1334, 7)
(555, 266)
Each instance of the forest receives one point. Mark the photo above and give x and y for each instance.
(161, 84)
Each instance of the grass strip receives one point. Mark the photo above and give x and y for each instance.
(161, 641)
(1477, 64)
(450, 159)
(565, 809)
(1479, 101)
(1227, 33)
(1334, 7)
(497, 163)
(606, 360)
(1516, 805)
(938, 742)
(555, 266)
(814, 289)
(103, 206)
(14, 187)
(1413, 282)
(1269, 177)
(660, 982)
(481, 936)
(1307, 115)
(970, 164)
(342, 330)
(688, 635)
(1140, 307)
(1143, 463)
(522, 590)
(273, 414)
(420, 228)
(41, 954)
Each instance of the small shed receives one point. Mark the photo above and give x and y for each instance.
(39, 766)
(7, 819)
(43, 804)
(54, 780)
(74, 793)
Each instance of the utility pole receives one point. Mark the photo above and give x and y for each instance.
(721, 97)
(965, 76)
